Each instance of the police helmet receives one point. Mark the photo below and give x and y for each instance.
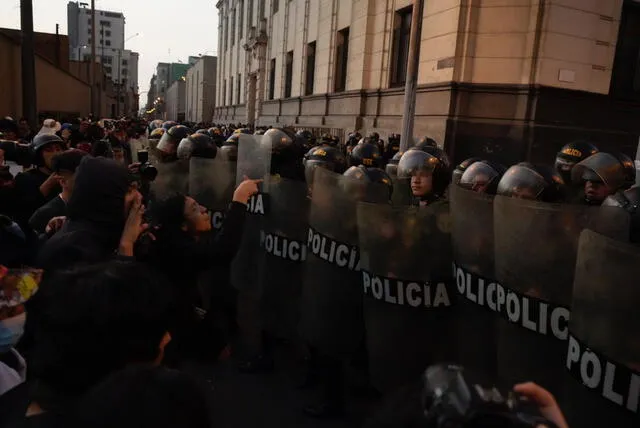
(229, 151)
(259, 132)
(154, 124)
(535, 182)
(414, 161)
(374, 136)
(325, 156)
(571, 154)
(168, 144)
(203, 131)
(366, 153)
(601, 167)
(157, 133)
(629, 168)
(169, 124)
(215, 131)
(243, 131)
(461, 168)
(197, 146)
(362, 175)
(392, 166)
(482, 177)
(425, 142)
(287, 152)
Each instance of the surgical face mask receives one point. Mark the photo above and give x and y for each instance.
(11, 330)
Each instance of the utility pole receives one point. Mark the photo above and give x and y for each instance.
(29, 106)
(118, 87)
(94, 108)
(412, 75)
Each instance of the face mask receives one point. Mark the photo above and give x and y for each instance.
(11, 330)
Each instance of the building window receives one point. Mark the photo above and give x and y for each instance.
(272, 79)
(310, 72)
(89, 40)
(89, 31)
(400, 55)
(105, 23)
(288, 74)
(108, 70)
(230, 90)
(342, 56)
(238, 88)
(108, 33)
(276, 5)
(124, 71)
(87, 57)
(108, 43)
(90, 21)
(240, 19)
(125, 62)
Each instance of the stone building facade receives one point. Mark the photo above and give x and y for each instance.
(511, 78)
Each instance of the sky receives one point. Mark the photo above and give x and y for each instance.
(169, 30)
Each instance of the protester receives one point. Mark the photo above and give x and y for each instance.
(183, 248)
(64, 166)
(104, 216)
(39, 185)
(86, 324)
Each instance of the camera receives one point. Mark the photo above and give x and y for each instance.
(451, 399)
(148, 172)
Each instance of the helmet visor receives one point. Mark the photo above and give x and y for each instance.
(521, 182)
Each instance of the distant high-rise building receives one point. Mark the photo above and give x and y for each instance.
(120, 64)
(167, 73)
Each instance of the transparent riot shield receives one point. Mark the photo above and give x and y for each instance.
(172, 178)
(536, 246)
(331, 302)
(212, 183)
(603, 353)
(283, 240)
(402, 195)
(473, 270)
(254, 162)
(406, 279)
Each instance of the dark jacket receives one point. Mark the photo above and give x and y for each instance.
(95, 217)
(182, 258)
(56, 207)
(30, 198)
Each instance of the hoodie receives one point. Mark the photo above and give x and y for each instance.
(95, 218)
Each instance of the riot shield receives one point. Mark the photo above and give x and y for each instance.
(536, 246)
(284, 244)
(408, 290)
(254, 162)
(331, 301)
(603, 354)
(212, 183)
(172, 178)
(401, 192)
(473, 269)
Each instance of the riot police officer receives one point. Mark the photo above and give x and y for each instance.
(352, 140)
(325, 156)
(426, 142)
(167, 125)
(168, 144)
(482, 177)
(307, 137)
(197, 145)
(366, 153)
(571, 154)
(603, 174)
(429, 175)
(392, 147)
(229, 149)
(535, 182)
(369, 176)
(461, 168)
(287, 151)
(391, 168)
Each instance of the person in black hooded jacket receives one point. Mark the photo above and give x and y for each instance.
(104, 217)
(184, 248)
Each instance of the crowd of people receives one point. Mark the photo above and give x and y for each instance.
(107, 266)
